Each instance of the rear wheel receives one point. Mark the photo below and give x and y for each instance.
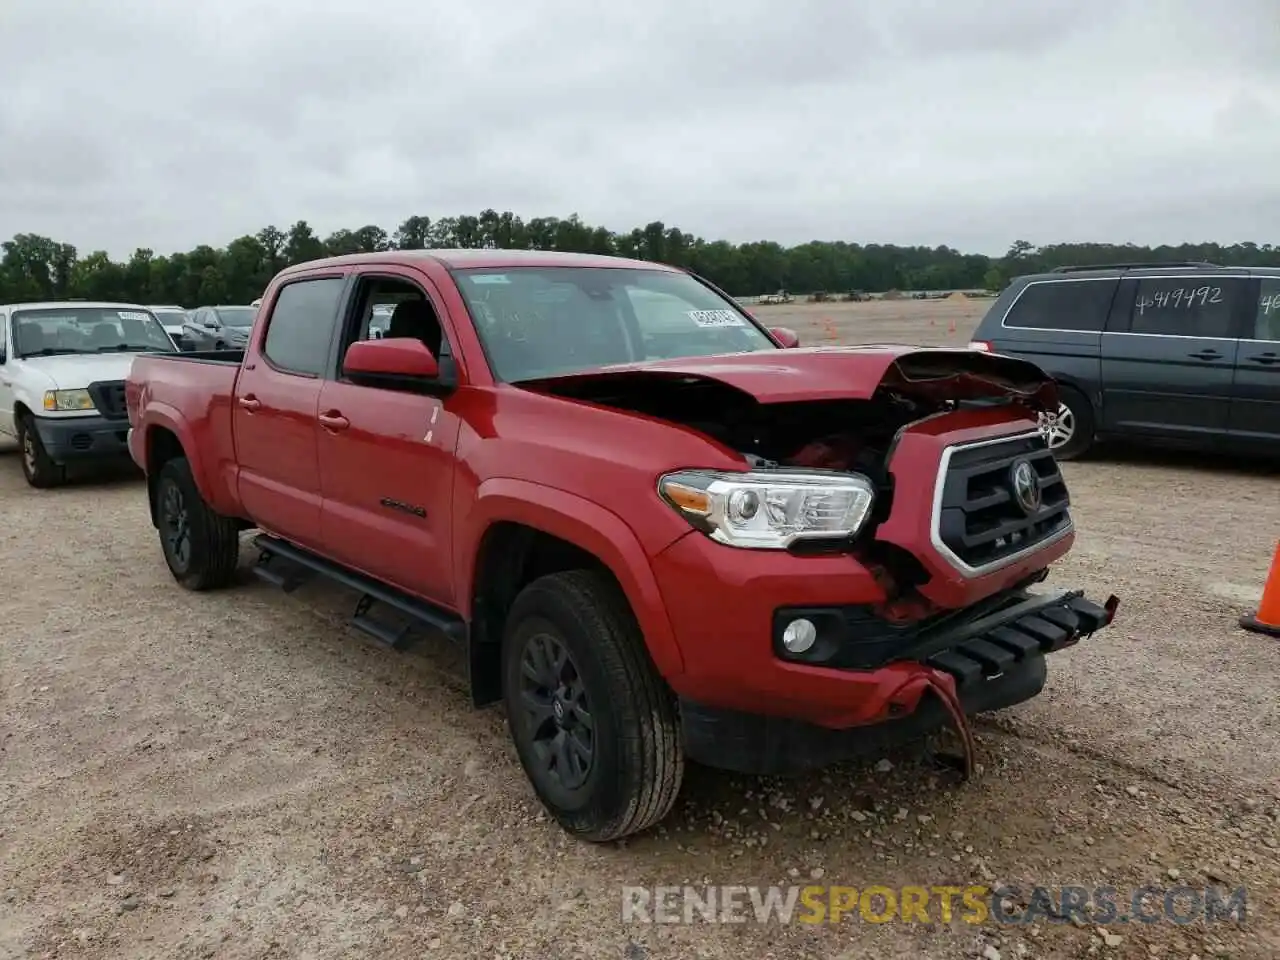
(39, 469)
(593, 723)
(200, 546)
(1069, 431)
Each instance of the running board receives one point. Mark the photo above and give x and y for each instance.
(288, 567)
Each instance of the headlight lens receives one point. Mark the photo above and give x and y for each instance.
(68, 400)
(768, 510)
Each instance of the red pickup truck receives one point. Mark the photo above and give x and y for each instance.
(662, 531)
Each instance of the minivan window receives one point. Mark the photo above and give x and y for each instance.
(1187, 306)
(301, 327)
(1079, 305)
(1267, 323)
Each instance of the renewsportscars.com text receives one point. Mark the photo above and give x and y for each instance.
(971, 904)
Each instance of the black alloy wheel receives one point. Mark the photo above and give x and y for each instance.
(175, 527)
(556, 712)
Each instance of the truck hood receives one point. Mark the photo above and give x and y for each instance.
(823, 373)
(75, 371)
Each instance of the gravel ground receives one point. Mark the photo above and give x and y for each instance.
(241, 775)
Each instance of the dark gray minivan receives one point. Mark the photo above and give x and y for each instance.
(1184, 354)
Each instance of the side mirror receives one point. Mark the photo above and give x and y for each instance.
(786, 337)
(390, 361)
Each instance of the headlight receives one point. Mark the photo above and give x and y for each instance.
(770, 510)
(68, 400)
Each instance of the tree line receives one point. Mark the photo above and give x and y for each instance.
(34, 267)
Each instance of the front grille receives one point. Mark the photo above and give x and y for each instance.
(108, 397)
(981, 519)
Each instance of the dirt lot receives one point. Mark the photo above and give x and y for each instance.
(241, 775)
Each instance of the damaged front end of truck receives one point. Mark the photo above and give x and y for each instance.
(968, 510)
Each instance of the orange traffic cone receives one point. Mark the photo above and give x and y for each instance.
(1267, 619)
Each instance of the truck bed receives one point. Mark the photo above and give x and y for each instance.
(233, 357)
(200, 385)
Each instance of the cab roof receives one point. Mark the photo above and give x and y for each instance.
(487, 259)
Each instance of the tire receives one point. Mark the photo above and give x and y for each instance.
(200, 546)
(636, 760)
(1070, 432)
(37, 466)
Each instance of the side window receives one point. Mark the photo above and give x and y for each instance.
(1188, 306)
(1078, 305)
(1266, 325)
(301, 326)
(390, 307)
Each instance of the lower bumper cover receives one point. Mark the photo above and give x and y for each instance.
(989, 663)
(83, 438)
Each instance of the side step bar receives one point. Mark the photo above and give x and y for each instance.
(288, 567)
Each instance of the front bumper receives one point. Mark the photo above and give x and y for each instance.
(83, 438)
(995, 659)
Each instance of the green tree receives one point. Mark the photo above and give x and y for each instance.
(34, 267)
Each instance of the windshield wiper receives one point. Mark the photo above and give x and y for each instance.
(48, 352)
(130, 348)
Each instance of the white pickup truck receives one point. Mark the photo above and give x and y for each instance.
(62, 370)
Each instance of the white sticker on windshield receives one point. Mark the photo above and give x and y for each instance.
(490, 278)
(716, 318)
(132, 315)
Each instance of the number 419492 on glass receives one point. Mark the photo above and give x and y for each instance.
(1186, 297)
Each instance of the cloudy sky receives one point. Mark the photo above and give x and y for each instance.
(167, 123)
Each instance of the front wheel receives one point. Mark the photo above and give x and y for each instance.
(37, 466)
(594, 724)
(200, 546)
(1069, 431)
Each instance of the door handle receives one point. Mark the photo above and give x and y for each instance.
(333, 420)
(1206, 355)
(1267, 358)
(250, 403)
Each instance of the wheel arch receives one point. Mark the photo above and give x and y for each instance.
(522, 531)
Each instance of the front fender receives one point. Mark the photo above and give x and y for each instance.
(586, 525)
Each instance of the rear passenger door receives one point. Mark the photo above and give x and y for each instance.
(1255, 406)
(1169, 362)
(274, 412)
(1057, 324)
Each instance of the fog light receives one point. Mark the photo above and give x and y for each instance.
(799, 636)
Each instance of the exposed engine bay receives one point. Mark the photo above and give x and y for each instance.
(844, 435)
(848, 429)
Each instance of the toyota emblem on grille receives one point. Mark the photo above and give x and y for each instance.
(1026, 486)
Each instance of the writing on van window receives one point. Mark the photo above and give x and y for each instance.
(715, 318)
(1178, 298)
(1269, 304)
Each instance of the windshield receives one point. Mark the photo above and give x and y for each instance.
(48, 331)
(542, 321)
(241, 317)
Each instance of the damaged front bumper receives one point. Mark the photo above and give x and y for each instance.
(988, 659)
